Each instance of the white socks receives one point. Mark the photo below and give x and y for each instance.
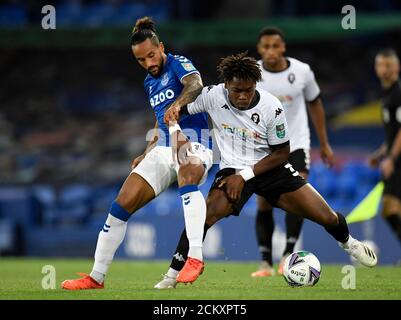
(113, 232)
(172, 273)
(194, 205)
(110, 238)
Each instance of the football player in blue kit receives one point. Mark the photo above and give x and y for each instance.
(172, 80)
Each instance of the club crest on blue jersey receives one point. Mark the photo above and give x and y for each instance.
(165, 79)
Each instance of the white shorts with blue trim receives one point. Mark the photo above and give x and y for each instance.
(160, 171)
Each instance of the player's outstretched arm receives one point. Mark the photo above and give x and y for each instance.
(378, 155)
(202, 103)
(278, 156)
(192, 88)
(387, 165)
(317, 114)
(235, 183)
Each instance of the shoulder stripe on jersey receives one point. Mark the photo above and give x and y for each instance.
(187, 74)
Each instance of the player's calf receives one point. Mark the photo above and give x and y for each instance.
(361, 252)
(194, 205)
(308, 202)
(134, 193)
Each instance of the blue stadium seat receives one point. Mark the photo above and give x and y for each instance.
(160, 11)
(346, 185)
(16, 204)
(102, 197)
(67, 13)
(362, 171)
(353, 183)
(324, 180)
(374, 175)
(46, 198)
(341, 205)
(95, 15)
(74, 204)
(167, 203)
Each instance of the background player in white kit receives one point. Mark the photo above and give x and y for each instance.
(294, 84)
(252, 135)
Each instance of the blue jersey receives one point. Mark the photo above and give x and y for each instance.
(162, 92)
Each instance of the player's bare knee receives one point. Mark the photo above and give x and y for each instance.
(124, 200)
(213, 215)
(128, 200)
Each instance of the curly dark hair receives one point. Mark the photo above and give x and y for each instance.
(144, 29)
(239, 66)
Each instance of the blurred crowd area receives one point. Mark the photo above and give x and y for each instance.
(70, 115)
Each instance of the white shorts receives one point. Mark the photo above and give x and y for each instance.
(160, 171)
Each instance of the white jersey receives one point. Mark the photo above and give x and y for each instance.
(292, 87)
(243, 137)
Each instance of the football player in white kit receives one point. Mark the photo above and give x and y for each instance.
(294, 84)
(252, 136)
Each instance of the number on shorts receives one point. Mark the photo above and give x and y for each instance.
(293, 171)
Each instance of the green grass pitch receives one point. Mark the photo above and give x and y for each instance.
(22, 278)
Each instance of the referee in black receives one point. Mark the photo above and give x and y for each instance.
(388, 156)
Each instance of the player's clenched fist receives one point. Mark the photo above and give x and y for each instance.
(234, 185)
(172, 114)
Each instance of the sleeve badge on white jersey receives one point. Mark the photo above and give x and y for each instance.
(280, 131)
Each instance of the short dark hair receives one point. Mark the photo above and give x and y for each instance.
(270, 31)
(239, 66)
(387, 52)
(144, 29)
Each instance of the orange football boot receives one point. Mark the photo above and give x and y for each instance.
(265, 270)
(262, 273)
(193, 268)
(280, 269)
(86, 282)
